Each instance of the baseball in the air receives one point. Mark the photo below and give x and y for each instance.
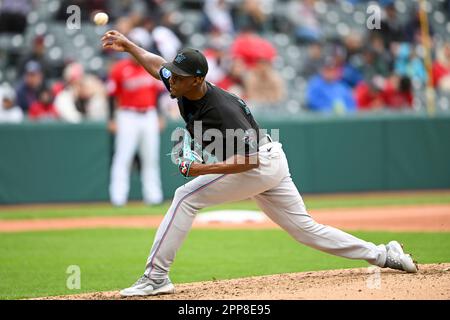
(101, 19)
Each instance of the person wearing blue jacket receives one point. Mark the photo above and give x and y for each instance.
(326, 92)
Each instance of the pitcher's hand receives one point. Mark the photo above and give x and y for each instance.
(115, 40)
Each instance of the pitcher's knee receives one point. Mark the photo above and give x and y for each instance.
(186, 199)
(308, 224)
(180, 193)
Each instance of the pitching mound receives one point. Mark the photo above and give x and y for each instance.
(431, 282)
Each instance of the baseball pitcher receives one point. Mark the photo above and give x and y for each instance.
(256, 168)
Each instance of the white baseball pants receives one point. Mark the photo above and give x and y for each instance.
(136, 132)
(271, 186)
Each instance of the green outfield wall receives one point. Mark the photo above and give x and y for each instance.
(57, 162)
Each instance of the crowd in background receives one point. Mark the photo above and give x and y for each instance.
(362, 70)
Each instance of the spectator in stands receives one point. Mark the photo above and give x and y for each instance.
(408, 64)
(369, 61)
(302, 16)
(353, 44)
(43, 109)
(13, 15)
(145, 36)
(171, 20)
(30, 85)
(377, 45)
(392, 30)
(373, 65)
(397, 92)
(250, 48)
(165, 41)
(218, 16)
(93, 99)
(326, 92)
(155, 8)
(217, 53)
(392, 93)
(135, 10)
(369, 95)
(263, 85)
(352, 58)
(219, 40)
(65, 100)
(313, 61)
(83, 98)
(37, 54)
(441, 68)
(9, 111)
(413, 31)
(233, 80)
(124, 25)
(216, 72)
(250, 14)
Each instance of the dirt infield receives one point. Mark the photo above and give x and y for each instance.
(434, 218)
(431, 282)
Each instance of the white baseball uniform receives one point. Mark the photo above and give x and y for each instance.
(137, 131)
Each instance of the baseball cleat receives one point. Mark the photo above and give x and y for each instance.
(397, 259)
(145, 286)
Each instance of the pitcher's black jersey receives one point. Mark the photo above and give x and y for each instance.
(224, 112)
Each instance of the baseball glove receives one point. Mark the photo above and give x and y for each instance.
(187, 151)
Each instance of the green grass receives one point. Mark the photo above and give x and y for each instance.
(34, 264)
(312, 202)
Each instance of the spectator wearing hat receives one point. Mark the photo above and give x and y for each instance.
(251, 48)
(9, 111)
(326, 92)
(30, 85)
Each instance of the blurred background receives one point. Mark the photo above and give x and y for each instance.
(292, 60)
(285, 54)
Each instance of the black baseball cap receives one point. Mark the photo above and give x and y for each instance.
(188, 62)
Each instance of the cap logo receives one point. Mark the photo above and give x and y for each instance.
(199, 71)
(166, 73)
(180, 58)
